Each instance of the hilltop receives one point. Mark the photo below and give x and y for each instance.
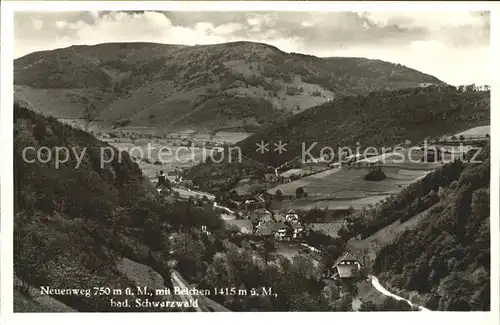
(239, 85)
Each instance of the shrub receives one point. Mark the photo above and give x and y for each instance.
(375, 175)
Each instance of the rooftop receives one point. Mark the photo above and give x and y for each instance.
(347, 271)
(346, 257)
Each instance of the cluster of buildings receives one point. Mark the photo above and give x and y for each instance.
(191, 142)
(263, 223)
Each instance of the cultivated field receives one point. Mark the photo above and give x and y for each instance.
(341, 188)
(348, 184)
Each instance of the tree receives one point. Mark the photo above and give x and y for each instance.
(32, 255)
(344, 233)
(267, 248)
(375, 175)
(299, 192)
(369, 306)
(314, 215)
(39, 131)
(391, 304)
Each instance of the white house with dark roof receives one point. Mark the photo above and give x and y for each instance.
(291, 216)
(346, 267)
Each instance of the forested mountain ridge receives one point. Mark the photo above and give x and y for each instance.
(232, 85)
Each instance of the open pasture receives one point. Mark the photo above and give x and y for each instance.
(344, 182)
(346, 187)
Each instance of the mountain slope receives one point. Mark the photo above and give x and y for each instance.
(76, 222)
(378, 119)
(232, 85)
(447, 257)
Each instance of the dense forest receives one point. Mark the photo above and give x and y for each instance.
(447, 257)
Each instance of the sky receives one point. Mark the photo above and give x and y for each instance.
(452, 46)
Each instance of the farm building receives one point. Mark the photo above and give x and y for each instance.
(298, 230)
(291, 216)
(282, 231)
(346, 267)
(261, 215)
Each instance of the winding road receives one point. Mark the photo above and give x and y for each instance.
(376, 284)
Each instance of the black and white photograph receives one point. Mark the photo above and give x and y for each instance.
(252, 160)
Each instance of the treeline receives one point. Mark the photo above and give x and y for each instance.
(447, 257)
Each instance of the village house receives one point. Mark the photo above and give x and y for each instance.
(346, 267)
(291, 216)
(271, 177)
(260, 215)
(282, 231)
(205, 231)
(298, 230)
